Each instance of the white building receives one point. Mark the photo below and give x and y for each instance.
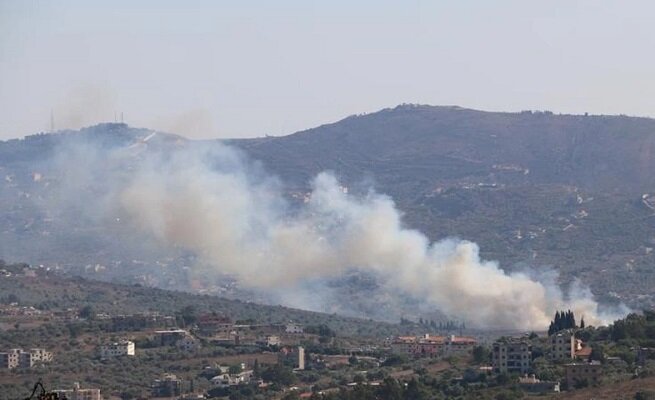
(294, 329)
(225, 380)
(122, 348)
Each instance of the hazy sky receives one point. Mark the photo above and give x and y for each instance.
(250, 68)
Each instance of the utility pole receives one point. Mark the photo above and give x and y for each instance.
(52, 120)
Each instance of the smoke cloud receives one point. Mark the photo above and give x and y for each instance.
(211, 201)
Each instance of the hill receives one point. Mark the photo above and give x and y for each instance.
(56, 292)
(573, 192)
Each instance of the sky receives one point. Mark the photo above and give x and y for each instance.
(226, 69)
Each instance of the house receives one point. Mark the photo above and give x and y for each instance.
(511, 355)
(643, 354)
(293, 328)
(168, 385)
(77, 393)
(533, 385)
(227, 380)
(584, 353)
(269, 340)
(188, 344)
(582, 374)
(170, 337)
(117, 349)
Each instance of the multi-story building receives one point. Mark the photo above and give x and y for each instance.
(10, 359)
(563, 345)
(76, 393)
(168, 386)
(423, 346)
(583, 374)
(117, 349)
(18, 358)
(512, 355)
(214, 325)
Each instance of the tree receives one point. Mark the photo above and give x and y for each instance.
(277, 374)
(563, 320)
(188, 315)
(234, 369)
(481, 354)
(87, 312)
(391, 390)
(256, 370)
(414, 391)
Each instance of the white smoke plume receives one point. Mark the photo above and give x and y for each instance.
(236, 219)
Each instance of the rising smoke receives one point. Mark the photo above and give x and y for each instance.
(209, 200)
(242, 226)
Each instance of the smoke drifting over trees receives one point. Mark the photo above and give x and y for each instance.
(213, 202)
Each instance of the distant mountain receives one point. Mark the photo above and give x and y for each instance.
(436, 145)
(569, 192)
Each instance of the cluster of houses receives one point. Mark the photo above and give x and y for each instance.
(514, 356)
(511, 355)
(169, 385)
(19, 358)
(16, 310)
(213, 328)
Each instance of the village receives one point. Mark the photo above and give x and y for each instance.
(212, 356)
